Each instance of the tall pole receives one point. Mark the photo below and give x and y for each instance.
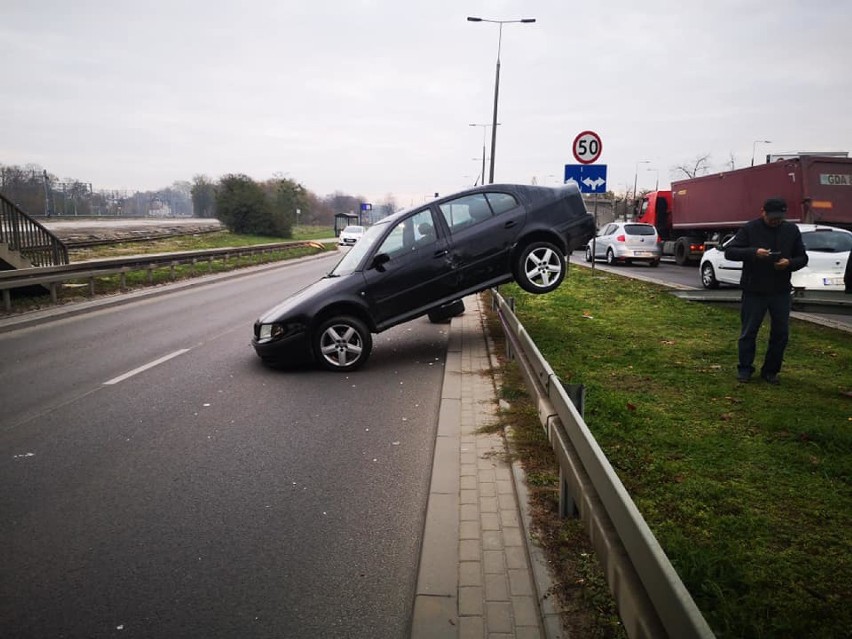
(484, 155)
(496, 85)
(494, 119)
(636, 176)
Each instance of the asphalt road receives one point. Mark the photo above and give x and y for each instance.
(158, 481)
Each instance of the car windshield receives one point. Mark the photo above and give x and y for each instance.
(827, 241)
(353, 258)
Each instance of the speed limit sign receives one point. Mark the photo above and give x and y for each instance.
(587, 147)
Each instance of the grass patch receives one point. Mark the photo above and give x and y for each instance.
(746, 487)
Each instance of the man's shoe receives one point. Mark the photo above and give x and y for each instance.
(770, 378)
(743, 378)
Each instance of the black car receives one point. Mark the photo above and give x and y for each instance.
(423, 261)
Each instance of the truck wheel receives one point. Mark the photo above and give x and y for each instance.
(342, 343)
(681, 253)
(540, 267)
(708, 276)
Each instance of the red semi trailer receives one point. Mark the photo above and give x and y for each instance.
(700, 212)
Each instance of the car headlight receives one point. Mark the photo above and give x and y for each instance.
(270, 331)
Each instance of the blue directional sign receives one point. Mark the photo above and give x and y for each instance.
(590, 177)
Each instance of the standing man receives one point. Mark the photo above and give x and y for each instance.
(770, 249)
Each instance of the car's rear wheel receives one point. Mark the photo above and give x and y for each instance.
(342, 343)
(655, 262)
(588, 254)
(708, 276)
(610, 257)
(540, 267)
(446, 312)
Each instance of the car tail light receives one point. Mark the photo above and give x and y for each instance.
(696, 247)
(659, 240)
(620, 238)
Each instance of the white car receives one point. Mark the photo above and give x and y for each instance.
(350, 235)
(827, 247)
(625, 243)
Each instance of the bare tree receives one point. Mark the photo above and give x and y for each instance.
(698, 166)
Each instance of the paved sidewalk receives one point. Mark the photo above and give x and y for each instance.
(476, 578)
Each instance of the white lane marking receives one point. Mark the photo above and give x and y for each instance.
(136, 371)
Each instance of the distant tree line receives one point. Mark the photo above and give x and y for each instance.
(270, 207)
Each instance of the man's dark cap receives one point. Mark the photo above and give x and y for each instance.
(775, 207)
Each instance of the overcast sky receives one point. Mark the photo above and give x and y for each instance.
(375, 97)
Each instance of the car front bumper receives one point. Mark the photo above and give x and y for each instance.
(290, 349)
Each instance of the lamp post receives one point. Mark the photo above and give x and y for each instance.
(636, 175)
(754, 144)
(484, 134)
(497, 82)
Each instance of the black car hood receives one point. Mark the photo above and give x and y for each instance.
(312, 296)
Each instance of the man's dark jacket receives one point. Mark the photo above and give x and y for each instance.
(759, 274)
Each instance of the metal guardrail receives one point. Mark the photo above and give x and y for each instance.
(805, 300)
(28, 238)
(651, 598)
(52, 277)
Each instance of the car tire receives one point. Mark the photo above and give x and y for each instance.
(342, 343)
(610, 257)
(655, 263)
(708, 276)
(446, 312)
(540, 267)
(589, 254)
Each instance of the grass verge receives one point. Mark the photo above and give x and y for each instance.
(746, 486)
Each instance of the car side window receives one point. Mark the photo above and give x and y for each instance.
(410, 234)
(501, 202)
(466, 211)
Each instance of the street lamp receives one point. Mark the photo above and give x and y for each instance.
(754, 144)
(636, 175)
(497, 82)
(484, 134)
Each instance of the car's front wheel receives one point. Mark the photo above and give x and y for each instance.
(342, 343)
(708, 276)
(540, 267)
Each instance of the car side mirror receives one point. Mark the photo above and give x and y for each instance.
(379, 262)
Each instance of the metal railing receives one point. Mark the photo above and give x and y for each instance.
(29, 239)
(652, 601)
(52, 277)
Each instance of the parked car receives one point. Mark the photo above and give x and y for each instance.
(625, 243)
(424, 261)
(828, 251)
(350, 235)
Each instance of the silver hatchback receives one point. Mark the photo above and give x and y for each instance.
(624, 243)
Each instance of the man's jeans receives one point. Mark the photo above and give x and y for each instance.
(752, 312)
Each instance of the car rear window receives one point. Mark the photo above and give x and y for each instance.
(827, 241)
(501, 202)
(639, 229)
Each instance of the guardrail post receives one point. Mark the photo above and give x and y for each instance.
(7, 300)
(567, 505)
(510, 354)
(577, 394)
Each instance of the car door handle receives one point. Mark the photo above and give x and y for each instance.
(510, 224)
(441, 253)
